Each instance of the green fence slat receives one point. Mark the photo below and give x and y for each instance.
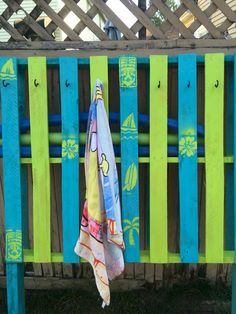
(158, 159)
(214, 155)
(99, 70)
(37, 72)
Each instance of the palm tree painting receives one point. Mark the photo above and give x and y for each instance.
(131, 227)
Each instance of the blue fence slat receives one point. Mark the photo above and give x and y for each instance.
(15, 288)
(187, 133)
(12, 185)
(70, 156)
(11, 160)
(129, 156)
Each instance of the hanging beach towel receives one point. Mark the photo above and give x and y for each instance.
(101, 238)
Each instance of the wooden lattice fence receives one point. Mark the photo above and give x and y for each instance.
(173, 26)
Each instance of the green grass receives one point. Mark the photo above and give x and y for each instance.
(198, 297)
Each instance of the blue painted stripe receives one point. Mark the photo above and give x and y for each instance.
(70, 156)
(187, 111)
(129, 156)
(11, 160)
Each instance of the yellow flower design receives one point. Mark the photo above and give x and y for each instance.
(70, 149)
(131, 226)
(187, 145)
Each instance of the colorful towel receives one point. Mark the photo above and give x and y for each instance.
(101, 237)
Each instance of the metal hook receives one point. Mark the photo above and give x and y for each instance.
(188, 84)
(159, 84)
(217, 83)
(67, 84)
(36, 84)
(5, 84)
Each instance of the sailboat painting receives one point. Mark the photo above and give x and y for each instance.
(128, 128)
(7, 71)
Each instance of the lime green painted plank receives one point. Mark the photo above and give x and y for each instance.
(214, 157)
(158, 159)
(173, 258)
(40, 158)
(99, 70)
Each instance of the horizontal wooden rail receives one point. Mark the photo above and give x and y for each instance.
(142, 160)
(57, 257)
(115, 60)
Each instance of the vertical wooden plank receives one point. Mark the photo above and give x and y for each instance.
(158, 159)
(214, 151)
(99, 70)
(129, 156)
(234, 152)
(229, 168)
(15, 288)
(11, 160)
(12, 185)
(37, 71)
(188, 178)
(70, 156)
(233, 306)
(233, 303)
(24, 168)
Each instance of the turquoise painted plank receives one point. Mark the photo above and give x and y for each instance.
(12, 185)
(129, 156)
(229, 168)
(70, 156)
(11, 159)
(24, 168)
(15, 288)
(187, 134)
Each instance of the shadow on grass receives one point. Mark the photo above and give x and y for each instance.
(198, 297)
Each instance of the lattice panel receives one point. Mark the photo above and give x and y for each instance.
(182, 23)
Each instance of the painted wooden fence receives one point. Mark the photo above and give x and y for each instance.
(184, 142)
